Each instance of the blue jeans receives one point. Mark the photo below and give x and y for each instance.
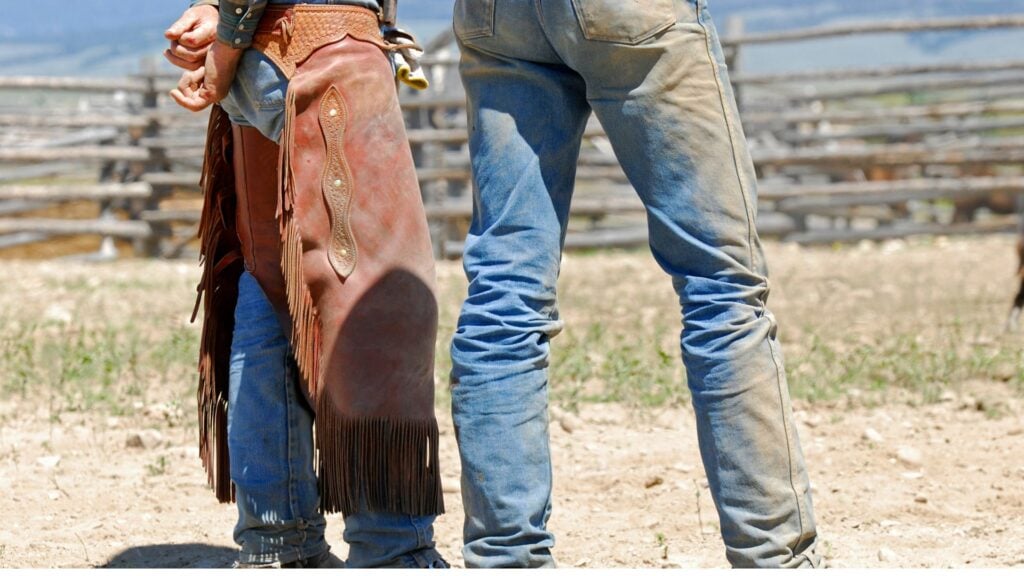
(269, 423)
(656, 78)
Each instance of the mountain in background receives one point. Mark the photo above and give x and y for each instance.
(112, 37)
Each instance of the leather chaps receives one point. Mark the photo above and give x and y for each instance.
(331, 224)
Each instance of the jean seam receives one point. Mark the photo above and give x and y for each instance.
(787, 424)
(732, 141)
(750, 246)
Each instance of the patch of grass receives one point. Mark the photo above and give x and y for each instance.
(830, 367)
(158, 467)
(603, 365)
(17, 360)
(95, 369)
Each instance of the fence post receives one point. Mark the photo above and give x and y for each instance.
(153, 245)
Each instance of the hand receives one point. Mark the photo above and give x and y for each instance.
(191, 37)
(209, 84)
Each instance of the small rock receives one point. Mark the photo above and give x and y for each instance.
(947, 396)
(652, 523)
(146, 439)
(581, 563)
(1015, 432)
(654, 481)
(872, 435)
(921, 499)
(569, 422)
(684, 468)
(450, 486)
(53, 495)
(889, 523)
(48, 462)
(886, 555)
(912, 475)
(909, 456)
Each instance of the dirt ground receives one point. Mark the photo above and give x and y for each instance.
(909, 476)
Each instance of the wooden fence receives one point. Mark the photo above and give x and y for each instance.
(842, 155)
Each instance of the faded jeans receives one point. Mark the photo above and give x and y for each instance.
(270, 433)
(655, 77)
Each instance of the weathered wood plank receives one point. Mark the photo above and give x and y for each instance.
(126, 153)
(15, 174)
(18, 206)
(875, 72)
(993, 226)
(781, 118)
(69, 192)
(172, 179)
(904, 131)
(810, 93)
(21, 238)
(64, 120)
(880, 27)
(58, 227)
(74, 84)
(952, 187)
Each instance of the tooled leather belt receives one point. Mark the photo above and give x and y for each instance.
(287, 36)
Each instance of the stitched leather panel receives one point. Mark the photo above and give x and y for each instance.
(337, 183)
(289, 36)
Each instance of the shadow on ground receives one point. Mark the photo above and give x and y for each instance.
(173, 556)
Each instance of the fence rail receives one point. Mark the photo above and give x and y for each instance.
(844, 155)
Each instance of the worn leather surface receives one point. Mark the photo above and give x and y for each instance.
(378, 323)
(255, 161)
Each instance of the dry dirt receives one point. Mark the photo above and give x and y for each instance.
(899, 480)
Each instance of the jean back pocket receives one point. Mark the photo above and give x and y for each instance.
(474, 19)
(624, 21)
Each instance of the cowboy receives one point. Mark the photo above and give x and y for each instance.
(318, 285)
(654, 74)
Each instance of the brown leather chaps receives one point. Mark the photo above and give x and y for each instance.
(331, 224)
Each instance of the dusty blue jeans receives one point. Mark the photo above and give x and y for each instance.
(269, 424)
(654, 74)
(270, 436)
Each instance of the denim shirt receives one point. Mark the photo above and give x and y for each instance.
(238, 18)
